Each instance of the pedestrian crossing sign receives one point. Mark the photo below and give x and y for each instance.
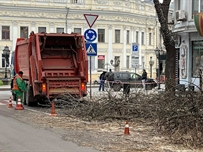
(91, 49)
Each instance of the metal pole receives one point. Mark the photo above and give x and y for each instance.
(150, 70)
(135, 77)
(6, 66)
(159, 70)
(67, 9)
(90, 77)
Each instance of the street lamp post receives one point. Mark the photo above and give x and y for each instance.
(158, 52)
(117, 63)
(107, 66)
(151, 62)
(6, 53)
(67, 11)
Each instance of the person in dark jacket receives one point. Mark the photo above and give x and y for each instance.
(110, 78)
(102, 80)
(144, 77)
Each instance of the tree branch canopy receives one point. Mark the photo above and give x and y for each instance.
(162, 10)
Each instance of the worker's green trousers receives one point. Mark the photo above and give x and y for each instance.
(19, 94)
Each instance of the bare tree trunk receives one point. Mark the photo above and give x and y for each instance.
(162, 13)
(200, 80)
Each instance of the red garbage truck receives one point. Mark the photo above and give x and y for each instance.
(53, 64)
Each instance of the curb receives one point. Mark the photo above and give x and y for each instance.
(5, 89)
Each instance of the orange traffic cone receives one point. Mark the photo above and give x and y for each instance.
(53, 113)
(19, 105)
(127, 130)
(10, 103)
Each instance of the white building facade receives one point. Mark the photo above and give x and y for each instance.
(189, 43)
(120, 24)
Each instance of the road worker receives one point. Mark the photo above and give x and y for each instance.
(19, 86)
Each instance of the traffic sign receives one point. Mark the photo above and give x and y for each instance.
(91, 49)
(134, 61)
(91, 19)
(90, 35)
(134, 48)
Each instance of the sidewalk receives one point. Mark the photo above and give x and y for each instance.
(5, 87)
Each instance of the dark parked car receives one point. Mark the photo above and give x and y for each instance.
(131, 78)
(97, 81)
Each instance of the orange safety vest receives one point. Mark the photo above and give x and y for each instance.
(15, 86)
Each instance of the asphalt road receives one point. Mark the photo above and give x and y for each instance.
(18, 136)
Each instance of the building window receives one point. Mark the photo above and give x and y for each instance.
(5, 32)
(101, 35)
(197, 58)
(150, 38)
(77, 30)
(201, 5)
(128, 62)
(128, 37)
(195, 6)
(101, 61)
(142, 39)
(76, 1)
(59, 30)
(117, 36)
(42, 29)
(137, 36)
(24, 32)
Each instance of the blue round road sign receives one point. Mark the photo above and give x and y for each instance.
(90, 35)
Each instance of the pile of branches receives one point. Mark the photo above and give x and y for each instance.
(181, 118)
(179, 115)
(108, 108)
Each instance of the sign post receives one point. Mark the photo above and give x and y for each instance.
(90, 36)
(135, 58)
(135, 64)
(135, 78)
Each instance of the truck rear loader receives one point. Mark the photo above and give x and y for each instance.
(53, 64)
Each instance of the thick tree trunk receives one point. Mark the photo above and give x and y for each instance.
(162, 13)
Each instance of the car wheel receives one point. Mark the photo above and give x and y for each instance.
(117, 87)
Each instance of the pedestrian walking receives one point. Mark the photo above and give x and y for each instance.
(102, 81)
(19, 86)
(110, 78)
(144, 77)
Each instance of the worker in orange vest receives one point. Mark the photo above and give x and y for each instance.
(19, 86)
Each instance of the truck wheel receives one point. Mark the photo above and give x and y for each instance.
(117, 87)
(29, 97)
(24, 98)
